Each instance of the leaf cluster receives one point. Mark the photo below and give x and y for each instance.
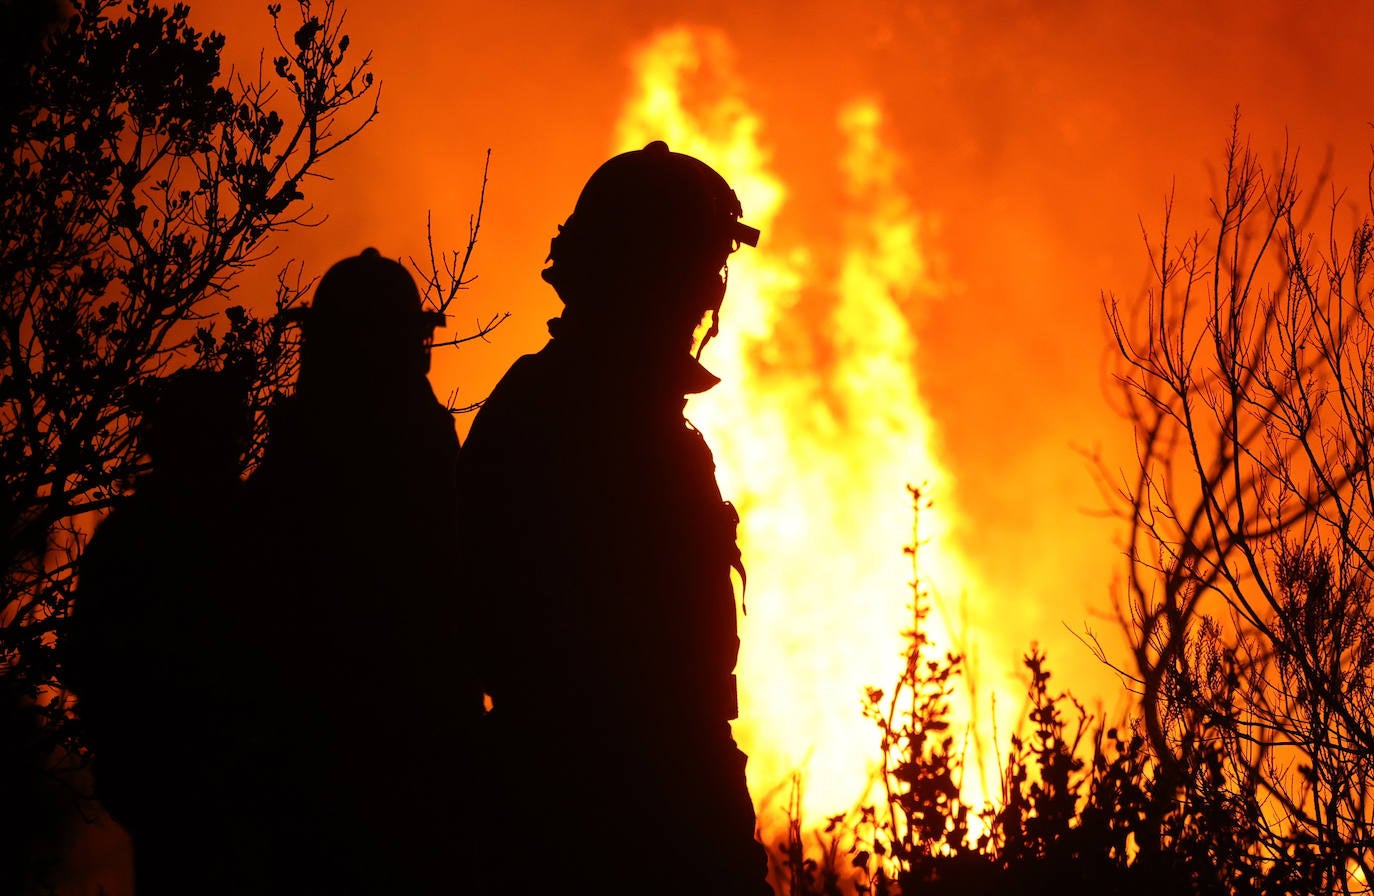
(139, 180)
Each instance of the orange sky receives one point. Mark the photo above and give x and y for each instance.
(1033, 137)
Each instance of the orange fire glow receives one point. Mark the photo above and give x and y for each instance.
(819, 423)
(944, 188)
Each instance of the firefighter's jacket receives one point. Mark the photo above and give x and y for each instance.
(599, 557)
(602, 547)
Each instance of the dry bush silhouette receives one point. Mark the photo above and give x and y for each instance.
(1246, 373)
(1084, 806)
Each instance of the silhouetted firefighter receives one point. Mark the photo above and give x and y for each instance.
(356, 497)
(151, 652)
(602, 554)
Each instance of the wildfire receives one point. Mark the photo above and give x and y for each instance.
(817, 428)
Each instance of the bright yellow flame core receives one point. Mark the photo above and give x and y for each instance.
(817, 428)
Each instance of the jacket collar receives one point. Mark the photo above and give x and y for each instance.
(615, 360)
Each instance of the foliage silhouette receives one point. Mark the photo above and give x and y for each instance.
(137, 187)
(140, 182)
(1245, 374)
(1083, 807)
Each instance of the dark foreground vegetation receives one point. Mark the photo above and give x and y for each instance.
(1247, 373)
(1084, 806)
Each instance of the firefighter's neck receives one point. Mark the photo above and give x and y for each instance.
(659, 358)
(625, 339)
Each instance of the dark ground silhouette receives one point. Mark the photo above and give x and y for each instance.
(602, 552)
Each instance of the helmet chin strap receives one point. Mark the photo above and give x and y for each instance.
(715, 314)
(710, 334)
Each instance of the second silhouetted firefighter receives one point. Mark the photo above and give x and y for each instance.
(353, 579)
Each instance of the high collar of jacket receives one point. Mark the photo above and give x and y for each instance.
(617, 358)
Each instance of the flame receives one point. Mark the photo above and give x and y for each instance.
(817, 427)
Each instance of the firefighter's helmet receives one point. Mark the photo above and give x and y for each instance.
(366, 296)
(649, 210)
(367, 320)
